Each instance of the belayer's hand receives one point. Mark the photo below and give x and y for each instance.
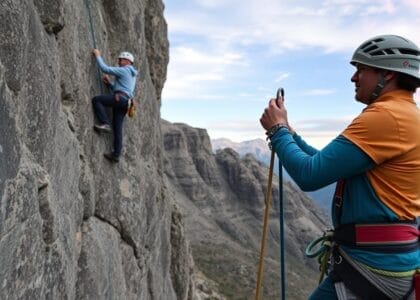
(96, 52)
(274, 114)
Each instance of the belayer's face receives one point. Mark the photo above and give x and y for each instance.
(365, 79)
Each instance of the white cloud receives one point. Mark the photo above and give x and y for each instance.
(282, 77)
(211, 3)
(413, 4)
(189, 55)
(226, 32)
(338, 27)
(386, 7)
(318, 92)
(331, 25)
(218, 41)
(322, 127)
(318, 132)
(192, 71)
(236, 130)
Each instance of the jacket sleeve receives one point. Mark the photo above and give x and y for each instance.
(116, 71)
(304, 146)
(339, 159)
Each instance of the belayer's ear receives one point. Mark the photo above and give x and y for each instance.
(389, 75)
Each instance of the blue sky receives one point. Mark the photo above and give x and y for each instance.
(228, 57)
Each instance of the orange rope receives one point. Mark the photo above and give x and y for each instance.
(264, 234)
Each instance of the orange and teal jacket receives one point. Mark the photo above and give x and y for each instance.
(378, 155)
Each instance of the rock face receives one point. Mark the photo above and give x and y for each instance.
(221, 197)
(73, 226)
(258, 148)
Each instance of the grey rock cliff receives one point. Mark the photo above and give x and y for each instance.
(221, 197)
(73, 226)
(258, 148)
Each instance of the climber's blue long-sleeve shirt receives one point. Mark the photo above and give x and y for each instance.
(125, 77)
(341, 159)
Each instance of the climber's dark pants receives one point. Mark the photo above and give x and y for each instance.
(119, 109)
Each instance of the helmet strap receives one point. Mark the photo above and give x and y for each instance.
(379, 86)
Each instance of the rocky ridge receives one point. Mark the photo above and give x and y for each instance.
(73, 226)
(221, 197)
(258, 148)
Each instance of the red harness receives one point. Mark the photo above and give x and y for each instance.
(368, 234)
(394, 237)
(402, 236)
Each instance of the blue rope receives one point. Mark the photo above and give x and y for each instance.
(281, 212)
(92, 31)
(280, 92)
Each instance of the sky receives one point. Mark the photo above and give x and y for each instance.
(229, 57)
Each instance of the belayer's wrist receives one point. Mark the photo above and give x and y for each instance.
(273, 130)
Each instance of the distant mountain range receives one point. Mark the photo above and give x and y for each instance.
(220, 197)
(259, 149)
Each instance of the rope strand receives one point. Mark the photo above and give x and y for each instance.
(281, 233)
(266, 214)
(92, 31)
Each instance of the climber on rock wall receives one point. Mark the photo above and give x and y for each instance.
(122, 92)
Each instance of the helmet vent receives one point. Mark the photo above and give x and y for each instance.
(370, 48)
(371, 45)
(377, 53)
(409, 52)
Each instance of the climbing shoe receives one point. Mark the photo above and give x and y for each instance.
(111, 157)
(102, 128)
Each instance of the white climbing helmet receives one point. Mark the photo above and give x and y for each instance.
(127, 55)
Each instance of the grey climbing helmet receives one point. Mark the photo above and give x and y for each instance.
(389, 52)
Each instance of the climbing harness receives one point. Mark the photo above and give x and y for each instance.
(417, 284)
(92, 31)
(280, 92)
(396, 237)
(131, 105)
(369, 283)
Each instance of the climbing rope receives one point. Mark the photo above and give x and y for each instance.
(325, 246)
(92, 31)
(264, 234)
(280, 92)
